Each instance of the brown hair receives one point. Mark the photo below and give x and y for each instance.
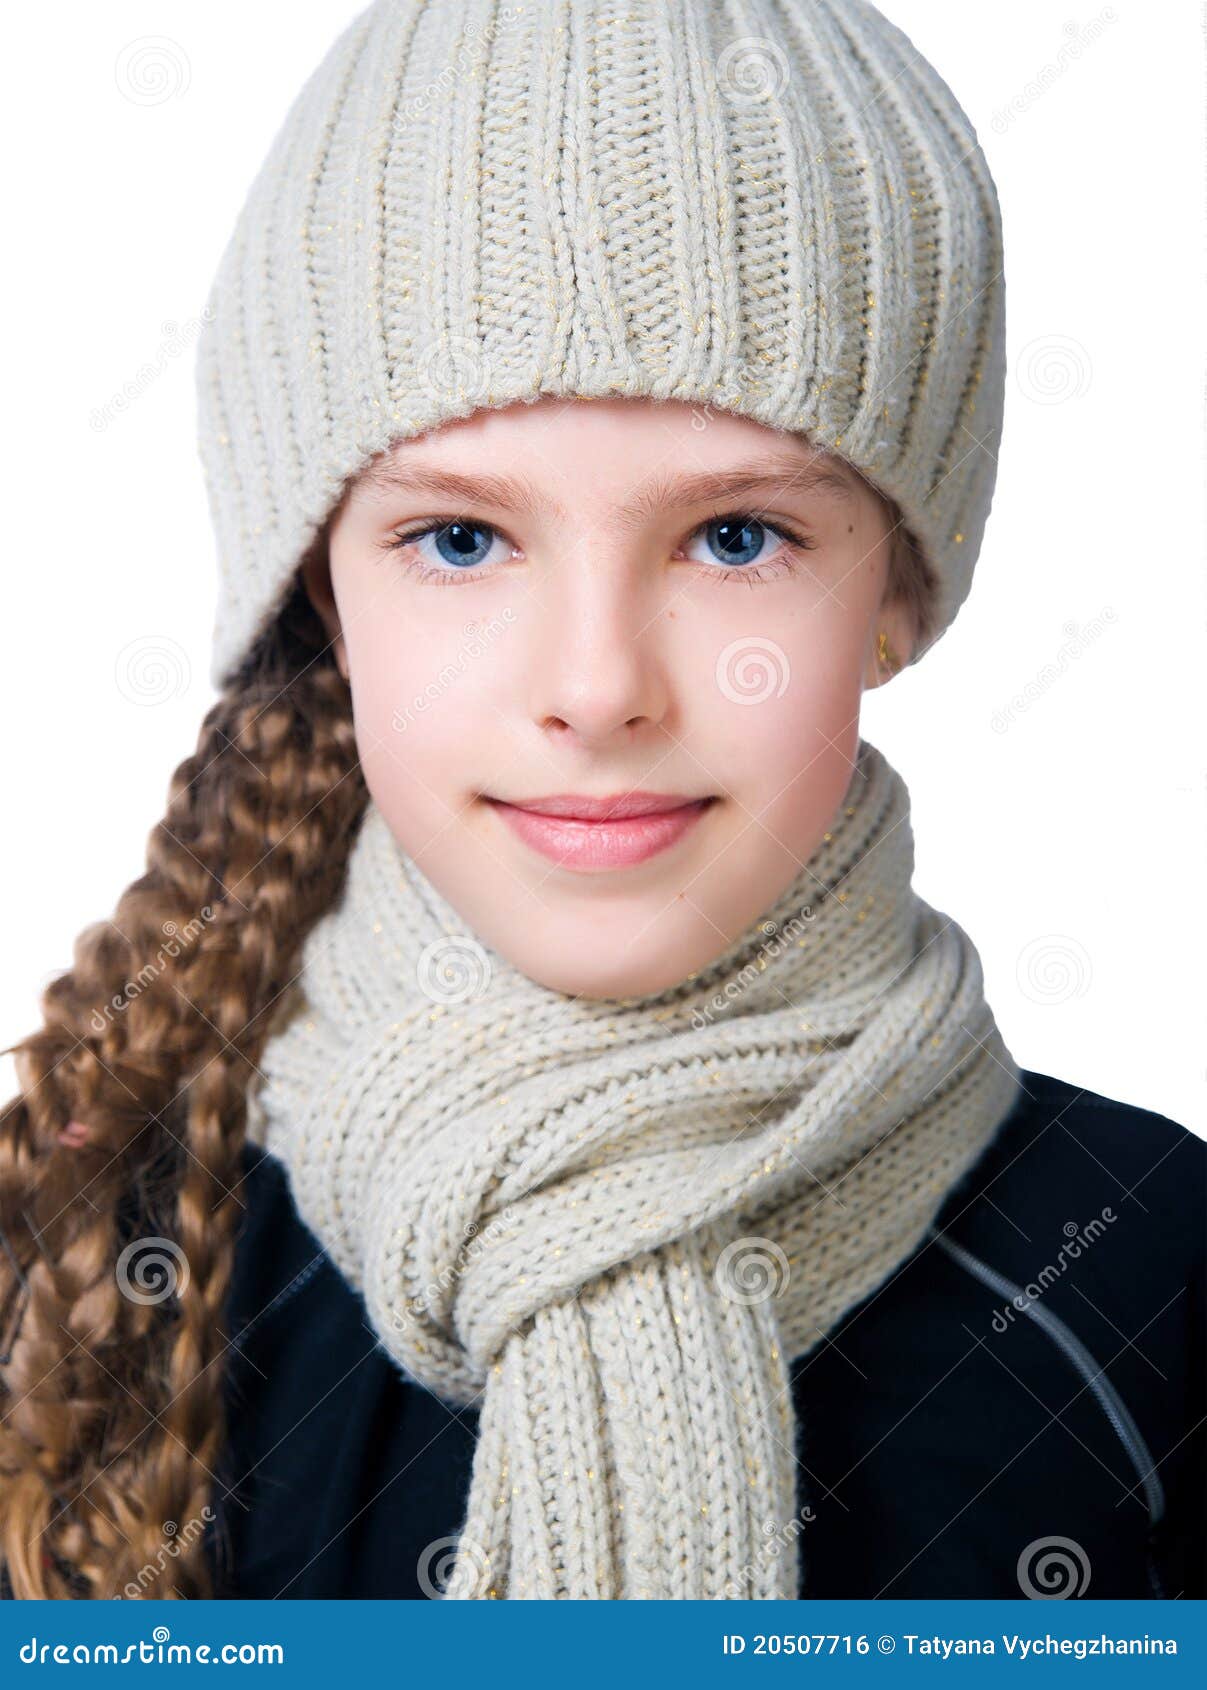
(113, 1408)
(912, 581)
(112, 1395)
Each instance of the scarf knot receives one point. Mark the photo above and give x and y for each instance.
(611, 1224)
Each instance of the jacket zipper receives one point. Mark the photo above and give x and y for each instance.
(1109, 1400)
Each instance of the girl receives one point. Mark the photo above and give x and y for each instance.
(560, 1154)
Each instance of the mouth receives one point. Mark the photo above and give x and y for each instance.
(595, 834)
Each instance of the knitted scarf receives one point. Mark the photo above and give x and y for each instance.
(612, 1225)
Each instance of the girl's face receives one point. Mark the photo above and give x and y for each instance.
(551, 611)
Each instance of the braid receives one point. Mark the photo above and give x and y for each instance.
(117, 1253)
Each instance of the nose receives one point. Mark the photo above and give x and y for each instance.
(598, 666)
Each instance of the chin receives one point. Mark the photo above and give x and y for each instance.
(609, 978)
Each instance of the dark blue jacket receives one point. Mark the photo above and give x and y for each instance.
(1022, 1401)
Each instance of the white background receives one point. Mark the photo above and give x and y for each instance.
(1066, 835)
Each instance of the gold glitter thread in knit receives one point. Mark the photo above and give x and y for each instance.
(553, 1206)
(467, 206)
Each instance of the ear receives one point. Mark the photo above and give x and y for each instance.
(316, 573)
(890, 644)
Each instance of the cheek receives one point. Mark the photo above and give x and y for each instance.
(418, 712)
(775, 716)
(779, 692)
(770, 711)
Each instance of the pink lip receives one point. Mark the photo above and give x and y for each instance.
(591, 834)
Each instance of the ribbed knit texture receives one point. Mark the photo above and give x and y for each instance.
(613, 1224)
(775, 207)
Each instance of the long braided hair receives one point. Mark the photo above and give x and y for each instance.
(112, 1411)
(118, 1246)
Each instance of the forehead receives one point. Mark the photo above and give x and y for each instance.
(439, 468)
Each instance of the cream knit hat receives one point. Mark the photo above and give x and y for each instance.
(773, 207)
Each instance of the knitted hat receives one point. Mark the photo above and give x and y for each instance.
(777, 209)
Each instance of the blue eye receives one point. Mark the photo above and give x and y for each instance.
(459, 545)
(739, 542)
(451, 549)
(736, 539)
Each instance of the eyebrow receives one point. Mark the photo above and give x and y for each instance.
(776, 474)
